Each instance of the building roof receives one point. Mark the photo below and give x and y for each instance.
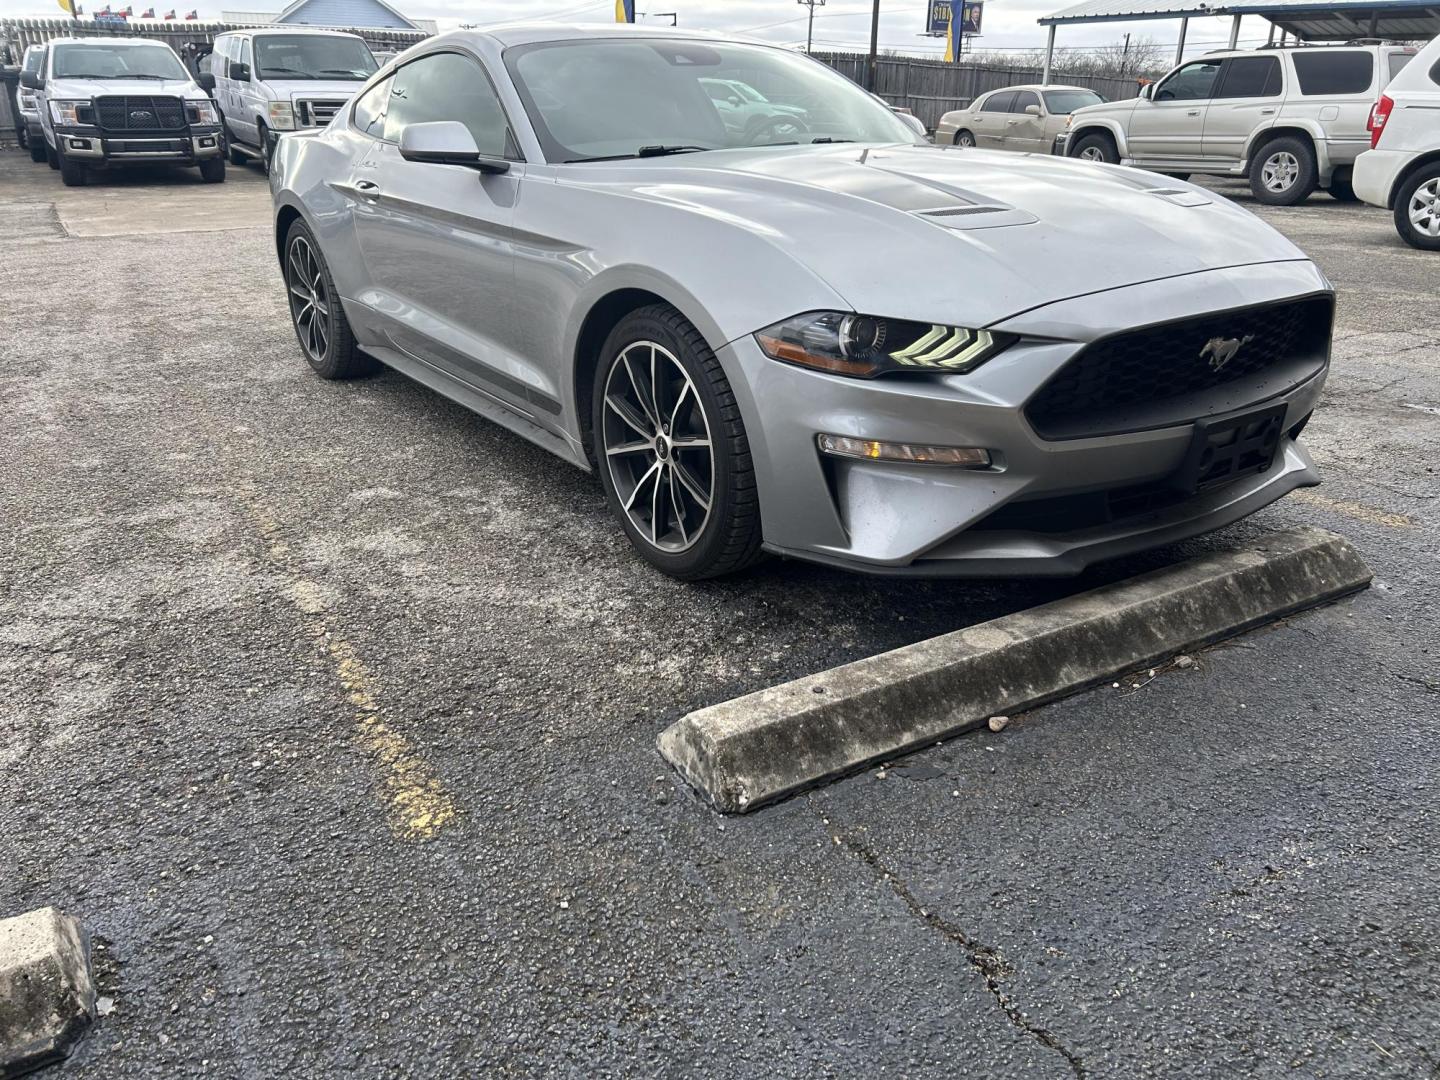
(1315, 20)
(345, 13)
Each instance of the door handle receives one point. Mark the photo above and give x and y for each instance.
(1193, 112)
(1267, 112)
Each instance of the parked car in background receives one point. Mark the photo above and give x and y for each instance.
(847, 346)
(1291, 119)
(28, 99)
(111, 102)
(1025, 118)
(1402, 170)
(275, 80)
(745, 110)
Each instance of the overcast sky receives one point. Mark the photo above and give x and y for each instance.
(1009, 24)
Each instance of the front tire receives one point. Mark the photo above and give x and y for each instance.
(212, 170)
(51, 157)
(1417, 209)
(1284, 172)
(37, 149)
(73, 173)
(671, 449)
(320, 324)
(264, 147)
(1097, 148)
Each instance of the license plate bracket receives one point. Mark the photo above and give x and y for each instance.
(1227, 448)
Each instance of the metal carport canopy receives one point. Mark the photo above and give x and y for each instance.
(1307, 20)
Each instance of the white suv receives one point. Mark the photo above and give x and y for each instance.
(271, 81)
(1291, 119)
(1402, 172)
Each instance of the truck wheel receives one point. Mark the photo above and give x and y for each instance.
(51, 157)
(1097, 148)
(37, 149)
(1417, 208)
(1283, 172)
(264, 147)
(72, 173)
(212, 170)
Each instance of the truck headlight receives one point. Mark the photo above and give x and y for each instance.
(201, 112)
(282, 116)
(67, 113)
(863, 346)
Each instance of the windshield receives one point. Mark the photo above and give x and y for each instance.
(116, 62)
(613, 97)
(313, 56)
(1064, 102)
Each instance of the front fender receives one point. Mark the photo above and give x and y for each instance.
(1115, 129)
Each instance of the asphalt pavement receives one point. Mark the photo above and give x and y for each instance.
(331, 708)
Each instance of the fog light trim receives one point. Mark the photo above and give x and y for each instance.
(962, 457)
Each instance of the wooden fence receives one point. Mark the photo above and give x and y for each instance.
(930, 88)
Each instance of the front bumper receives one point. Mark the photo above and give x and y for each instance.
(926, 520)
(96, 147)
(1376, 172)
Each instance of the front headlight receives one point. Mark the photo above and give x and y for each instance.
(282, 116)
(201, 112)
(67, 113)
(863, 346)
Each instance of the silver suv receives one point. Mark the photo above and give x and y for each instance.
(1290, 119)
(272, 81)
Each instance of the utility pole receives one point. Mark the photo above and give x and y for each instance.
(1125, 56)
(870, 79)
(810, 32)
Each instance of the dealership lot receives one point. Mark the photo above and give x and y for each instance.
(331, 709)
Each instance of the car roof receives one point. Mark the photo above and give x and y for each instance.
(119, 42)
(1037, 86)
(288, 31)
(529, 33)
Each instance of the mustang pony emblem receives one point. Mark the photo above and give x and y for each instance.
(1221, 350)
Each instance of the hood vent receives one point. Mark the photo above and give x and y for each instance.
(973, 216)
(959, 211)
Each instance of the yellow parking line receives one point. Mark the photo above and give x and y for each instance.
(419, 804)
(1353, 509)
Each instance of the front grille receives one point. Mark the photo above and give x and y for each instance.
(1177, 372)
(147, 146)
(319, 113)
(140, 114)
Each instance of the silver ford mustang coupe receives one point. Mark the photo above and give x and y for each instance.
(815, 337)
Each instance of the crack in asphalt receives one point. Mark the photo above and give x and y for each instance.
(985, 959)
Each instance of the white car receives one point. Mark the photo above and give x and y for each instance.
(271, 81)
(1402, 170)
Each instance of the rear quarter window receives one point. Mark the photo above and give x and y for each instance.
(1398, 60)
(1334, 72)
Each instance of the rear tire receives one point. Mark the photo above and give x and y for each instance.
(671, 448)
(73, 173)
(212, 170)
(1097, 148)
(316, 313)
(965, 140)
(37, 149)
(1283, 172)
(1417, 208)
(1342, 187)
(1177, 175)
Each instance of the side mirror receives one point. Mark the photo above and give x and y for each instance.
(1148, 91)
(1032, 110)
(446, 142)
(206, 82)
(733, 100)
(31, 81)
(239, 72)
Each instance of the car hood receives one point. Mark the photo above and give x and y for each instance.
(296, 89)
(61, 89)
(972, 236)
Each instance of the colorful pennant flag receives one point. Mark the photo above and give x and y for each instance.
(625, 11)
(148, 13)
(954, 42)
(170, 14)
(192, 15)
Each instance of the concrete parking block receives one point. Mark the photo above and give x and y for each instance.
(47, 995)
(754, 749)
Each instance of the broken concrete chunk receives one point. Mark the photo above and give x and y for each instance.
(47, 996)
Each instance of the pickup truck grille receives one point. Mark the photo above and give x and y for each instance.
(319, 113)
(137, 114)
(1176, 372)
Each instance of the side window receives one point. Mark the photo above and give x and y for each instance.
(1023, 99)
(1250, 77)
(246, 57)
(1398, 60)
(447, 86)
(1334, 72)
(369, 115)
(1193, 82)
(998, 102)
